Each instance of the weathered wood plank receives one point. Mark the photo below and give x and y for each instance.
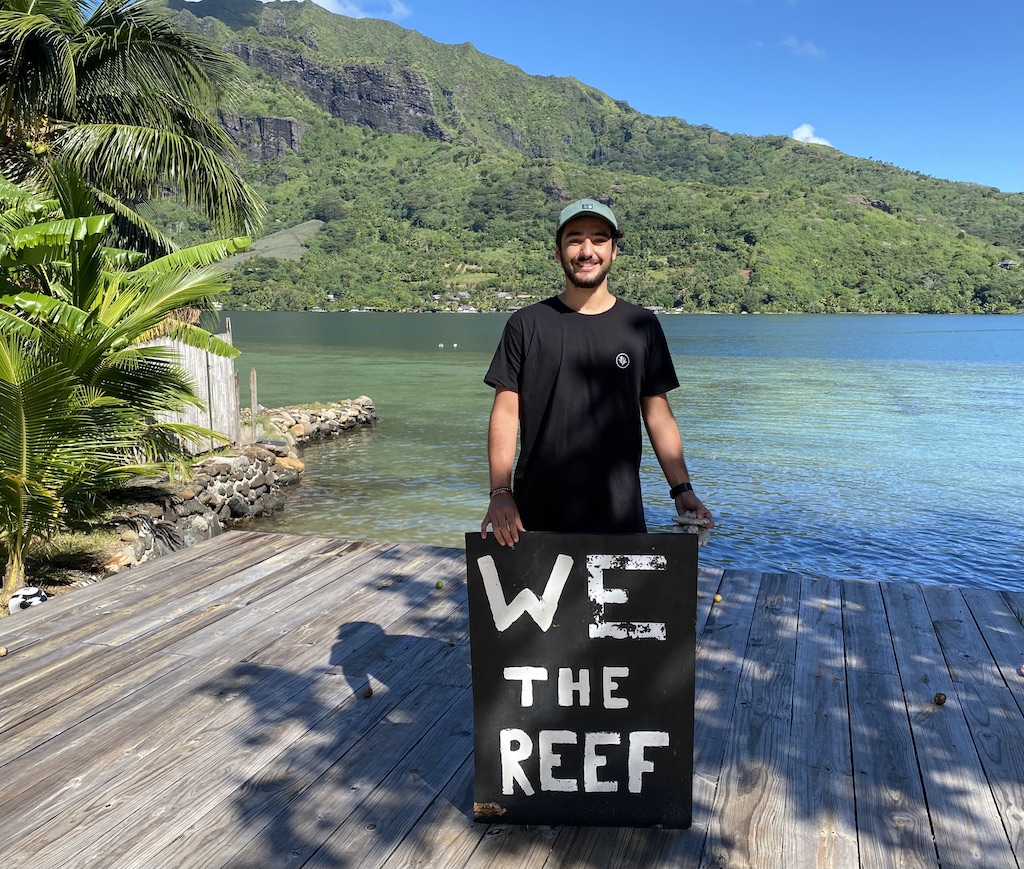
(823, 829)
(80, 614)
(1015, 600)
(229, 725)
(893, 827)
(709, 583)
(394, 663)
(751, 796)
(241, 582)
(608, 848)
(720, 648)
(998, 733)
(446, 833)
(123, 585)
(965, 821)
(504, 846)
(69, 671)
(78, 709)
(108, 824)
(205, 667)
(964, 646)
(998, 621)
(375, 828)
(271, 614)
(293, 830)
(866, 630)
(421, 607)
(63, 773)
(74, 622)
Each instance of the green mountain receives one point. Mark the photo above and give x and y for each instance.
(437, 171)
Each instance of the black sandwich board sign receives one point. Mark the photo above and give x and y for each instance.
(583, 652)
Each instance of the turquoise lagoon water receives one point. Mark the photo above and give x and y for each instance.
(880, 447)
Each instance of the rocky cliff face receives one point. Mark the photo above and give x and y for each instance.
(382, 96)
(263, 138)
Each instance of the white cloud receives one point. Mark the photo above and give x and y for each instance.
(395, 10)
(802, 49)
(805, 133)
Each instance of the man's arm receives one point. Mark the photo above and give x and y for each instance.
(502, 512)
(668, 447)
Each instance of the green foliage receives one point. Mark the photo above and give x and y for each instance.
(121, 94)
(714, 221)
(80, 389)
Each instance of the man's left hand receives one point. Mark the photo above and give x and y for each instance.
(688, 502)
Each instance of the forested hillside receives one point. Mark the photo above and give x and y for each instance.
(437, 172)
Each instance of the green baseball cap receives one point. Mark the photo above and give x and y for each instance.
(586, 206)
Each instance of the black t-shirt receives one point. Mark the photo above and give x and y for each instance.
(580, 378)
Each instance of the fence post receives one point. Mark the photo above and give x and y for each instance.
(253, 405)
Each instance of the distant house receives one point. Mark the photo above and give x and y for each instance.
(1008, 264)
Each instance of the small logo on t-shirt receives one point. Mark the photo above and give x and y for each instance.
(622, 360)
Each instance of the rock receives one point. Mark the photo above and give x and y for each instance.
(383, 96)
(263, 138)
(229, 488)
(291, 464)
(118, 563)
(237, 506)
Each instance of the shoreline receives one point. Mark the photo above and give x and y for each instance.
(225, 490)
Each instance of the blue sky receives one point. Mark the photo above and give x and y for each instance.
(936, 87)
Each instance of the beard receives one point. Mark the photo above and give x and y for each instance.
(588, 282)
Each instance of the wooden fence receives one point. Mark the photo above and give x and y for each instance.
(217, 387)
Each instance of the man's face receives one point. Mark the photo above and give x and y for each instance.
(587, 251)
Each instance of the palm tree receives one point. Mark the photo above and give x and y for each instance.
(60, 442)
(120, 94)
(80, 389)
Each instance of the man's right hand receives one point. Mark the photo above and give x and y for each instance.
(503, 517)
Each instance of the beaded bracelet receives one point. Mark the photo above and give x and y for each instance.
(499, 490)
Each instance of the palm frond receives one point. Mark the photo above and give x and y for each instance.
(130, 229)
(127, 41)
(133, 162)
(197, 255)
(49, 241)
(36, 66)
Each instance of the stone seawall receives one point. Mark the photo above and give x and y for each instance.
(230, 488)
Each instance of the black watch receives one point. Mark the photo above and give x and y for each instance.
(678, 490)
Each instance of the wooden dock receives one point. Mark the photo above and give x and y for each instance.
(213, 709)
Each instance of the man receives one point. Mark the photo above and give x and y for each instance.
(573, 375)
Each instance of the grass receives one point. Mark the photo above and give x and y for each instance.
(287, 244)
(69, 557)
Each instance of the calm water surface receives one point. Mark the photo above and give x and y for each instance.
(882, 447)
